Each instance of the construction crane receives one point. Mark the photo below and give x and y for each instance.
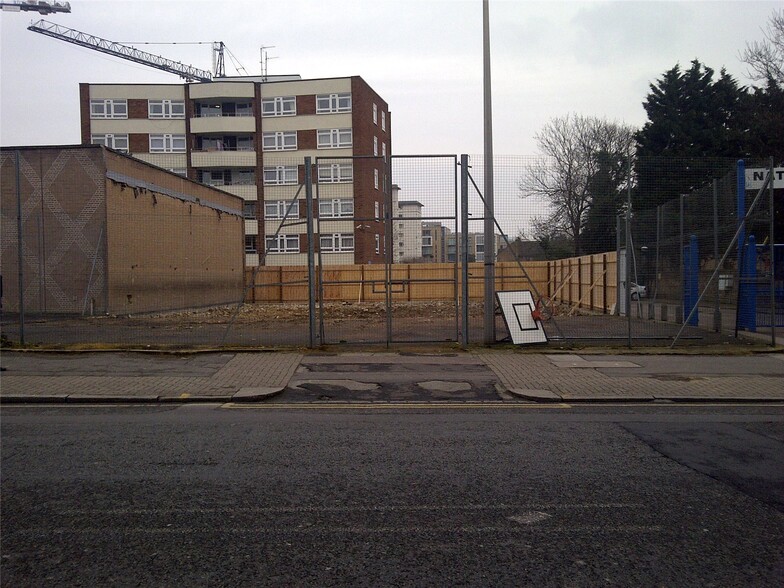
(36, 6)
(186, 72)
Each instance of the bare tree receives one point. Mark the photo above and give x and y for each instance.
(574, 150)
(766, 58)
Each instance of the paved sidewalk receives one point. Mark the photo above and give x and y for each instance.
(141, 377)
(508, 375)
(574, 377)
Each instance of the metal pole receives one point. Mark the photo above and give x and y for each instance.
(716, 306)
(618, 265)
(489, 216)
(659, 214)
(311, 254)
(20, 257)
(461, 242)
(680, 242)
(772, 265)
(628, 260)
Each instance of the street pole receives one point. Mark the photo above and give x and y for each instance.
(20, 255)
(489, 213)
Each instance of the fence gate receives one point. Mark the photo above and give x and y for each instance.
(375, 278)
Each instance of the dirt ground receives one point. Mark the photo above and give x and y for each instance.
(288, 325)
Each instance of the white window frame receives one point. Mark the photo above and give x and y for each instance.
(279, 106)
(378, 243)
(375, 178)
(279, 141)
(334, 173)
(384, 151)
(109, 108)
(282, 244)
(375, 146)
(276, 209)
(427, 240)
(280, 175)
(375, 113)
(336, 208)
(168, 143)
(375, 211)
(112, 141)
(331, 103)
(337, 243)
(334, 138)
(383, 120)
(165, 109)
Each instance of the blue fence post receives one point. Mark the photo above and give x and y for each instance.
(741, 202)
(691, 289)
(747, 288)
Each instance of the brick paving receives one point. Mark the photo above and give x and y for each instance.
(579, 378)
(243, 371)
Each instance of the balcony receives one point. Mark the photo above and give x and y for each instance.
(246, 192)
(223, 158)
(223, 124)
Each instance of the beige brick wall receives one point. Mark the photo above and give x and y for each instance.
(90, 242)
(166, 253)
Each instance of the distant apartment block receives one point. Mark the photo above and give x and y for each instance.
(407, 231)
(249, 137)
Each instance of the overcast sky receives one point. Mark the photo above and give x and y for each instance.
(423, 56)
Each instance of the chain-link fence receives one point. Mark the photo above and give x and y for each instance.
(388, 250)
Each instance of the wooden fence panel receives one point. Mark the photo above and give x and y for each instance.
(587, 281)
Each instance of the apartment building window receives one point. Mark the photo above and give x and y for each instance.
(108, 109)
(279, 141)
(243, 109)
(283, 244)
(383, 120)
(375, 211)
(334, 138)
(118, 142)
(276, 209)
(336, 208)
(249, 209)
(384, 151)
(375, 146)
(250, 243)
(243, 177)
(166, 109)
(337, 243)
(167, 143)
(280, 175)
(375, 114)
(330, 173)
(378, 243)
(279, 106)
(375, 178)
(330, 103)
(214, 177)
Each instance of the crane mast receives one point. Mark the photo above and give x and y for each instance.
(186, 72)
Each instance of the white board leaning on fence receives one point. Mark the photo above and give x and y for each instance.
(517, 308)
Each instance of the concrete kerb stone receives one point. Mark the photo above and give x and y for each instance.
(535, 395)
(256, 394)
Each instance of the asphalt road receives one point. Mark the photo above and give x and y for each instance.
(202, 495)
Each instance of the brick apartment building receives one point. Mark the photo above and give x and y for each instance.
(249, 137)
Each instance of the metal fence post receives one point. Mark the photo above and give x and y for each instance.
(716, 306)
(462, 246)
(311, 254)
(772, 265)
